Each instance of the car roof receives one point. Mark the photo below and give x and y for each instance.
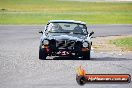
(67, 21)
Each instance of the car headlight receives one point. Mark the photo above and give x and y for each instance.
(45, 42)
(85, 44)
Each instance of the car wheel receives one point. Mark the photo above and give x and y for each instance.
(42, 55)
(86, 55)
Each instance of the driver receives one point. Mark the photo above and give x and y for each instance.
(78, 29)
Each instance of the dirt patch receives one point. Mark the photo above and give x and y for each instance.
(102, 44)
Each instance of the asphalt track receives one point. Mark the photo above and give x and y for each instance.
(21, 68)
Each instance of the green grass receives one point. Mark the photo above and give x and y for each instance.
(40, 11)
(123, 42)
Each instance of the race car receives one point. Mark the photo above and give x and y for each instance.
(65, 38)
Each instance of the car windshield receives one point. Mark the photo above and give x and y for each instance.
(74, 28)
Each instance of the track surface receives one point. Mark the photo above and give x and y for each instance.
(21, 68)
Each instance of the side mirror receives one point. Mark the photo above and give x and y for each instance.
(41, 32)
(91, 33)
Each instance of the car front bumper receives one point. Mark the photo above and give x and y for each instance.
(64, 52)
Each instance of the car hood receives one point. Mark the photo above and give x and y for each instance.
(60, 36)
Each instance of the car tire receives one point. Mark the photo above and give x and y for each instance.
(86, 55)
(42, 55)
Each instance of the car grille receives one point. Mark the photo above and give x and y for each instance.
(65, 44)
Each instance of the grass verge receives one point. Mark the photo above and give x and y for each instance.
(40, 11)
(123, 42)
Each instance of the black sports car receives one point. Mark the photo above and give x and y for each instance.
(65, 38)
